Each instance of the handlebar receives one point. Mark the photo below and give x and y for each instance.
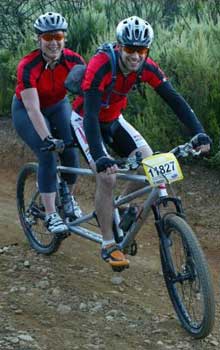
(51, 149)
(180, 151)
(185, 150)
(132, 163)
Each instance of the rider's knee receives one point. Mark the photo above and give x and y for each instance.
(145, 151)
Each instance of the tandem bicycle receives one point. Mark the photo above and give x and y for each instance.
(185, 269)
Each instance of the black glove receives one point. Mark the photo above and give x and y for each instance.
(201, 139)
(103, 163)
(52, 144)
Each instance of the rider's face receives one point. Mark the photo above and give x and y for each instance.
(133, 57)
(52, 44)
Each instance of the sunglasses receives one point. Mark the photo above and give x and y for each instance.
(52, 36)
(139, 49)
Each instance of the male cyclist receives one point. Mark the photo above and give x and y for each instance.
(105, 123)
(41, 111)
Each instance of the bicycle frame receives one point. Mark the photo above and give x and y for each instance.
(148, 204)
(184, 266)
(151, 190)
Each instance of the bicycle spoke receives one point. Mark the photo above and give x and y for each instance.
(187, 278)
(35, 212)
(32, 213)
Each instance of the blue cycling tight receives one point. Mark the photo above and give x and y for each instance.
(58, 120)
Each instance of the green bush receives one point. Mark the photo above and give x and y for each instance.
(191, 59)
(8, 65)
(186, 47)
(7, 79)
(85, 29)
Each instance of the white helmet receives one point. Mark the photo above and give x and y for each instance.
(50, 22)
(134, 31)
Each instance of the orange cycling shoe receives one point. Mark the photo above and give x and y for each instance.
(114, 256)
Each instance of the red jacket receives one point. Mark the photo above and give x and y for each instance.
(99, 76)
(32, 72)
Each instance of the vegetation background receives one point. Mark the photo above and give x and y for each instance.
(186, 46)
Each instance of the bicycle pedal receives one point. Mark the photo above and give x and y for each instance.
(62, 236)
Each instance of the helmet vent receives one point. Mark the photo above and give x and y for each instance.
(127, 31)
(146, 33)
(136, 33)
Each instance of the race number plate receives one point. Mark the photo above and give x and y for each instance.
(162, 168)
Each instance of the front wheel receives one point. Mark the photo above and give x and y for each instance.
(187, 277)
(31, 212)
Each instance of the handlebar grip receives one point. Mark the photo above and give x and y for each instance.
(121, 163)
(47, 148)
(52, 148)
(201, 139)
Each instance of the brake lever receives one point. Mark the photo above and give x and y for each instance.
(129, 164)
(182, 150)
(195, 153)
(185, 150)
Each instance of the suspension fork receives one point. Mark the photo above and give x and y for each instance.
(165, 242)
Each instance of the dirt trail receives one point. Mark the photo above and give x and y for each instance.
(72, 300)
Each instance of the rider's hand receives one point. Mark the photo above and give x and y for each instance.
(106, 164)
(201, 142)
(52, 144)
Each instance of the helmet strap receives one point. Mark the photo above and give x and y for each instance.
(49, 62)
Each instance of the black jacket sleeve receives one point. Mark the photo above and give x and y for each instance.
(92, 105)
(180, 107)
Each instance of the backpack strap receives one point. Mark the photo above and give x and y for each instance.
(108, 48)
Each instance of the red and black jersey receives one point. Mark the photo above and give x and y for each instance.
(32, 72)
(99, 76)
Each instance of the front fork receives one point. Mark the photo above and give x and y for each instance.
(165, 242)
(165, 201)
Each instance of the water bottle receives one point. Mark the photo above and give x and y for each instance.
(128, 218)
(66, 199)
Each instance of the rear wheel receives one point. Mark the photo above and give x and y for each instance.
(187, 277)
(31, 212)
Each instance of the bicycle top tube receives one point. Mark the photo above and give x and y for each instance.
(89, 172)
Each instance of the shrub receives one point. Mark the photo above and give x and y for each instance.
(186, 46)
(8, 64)
(190, 58)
